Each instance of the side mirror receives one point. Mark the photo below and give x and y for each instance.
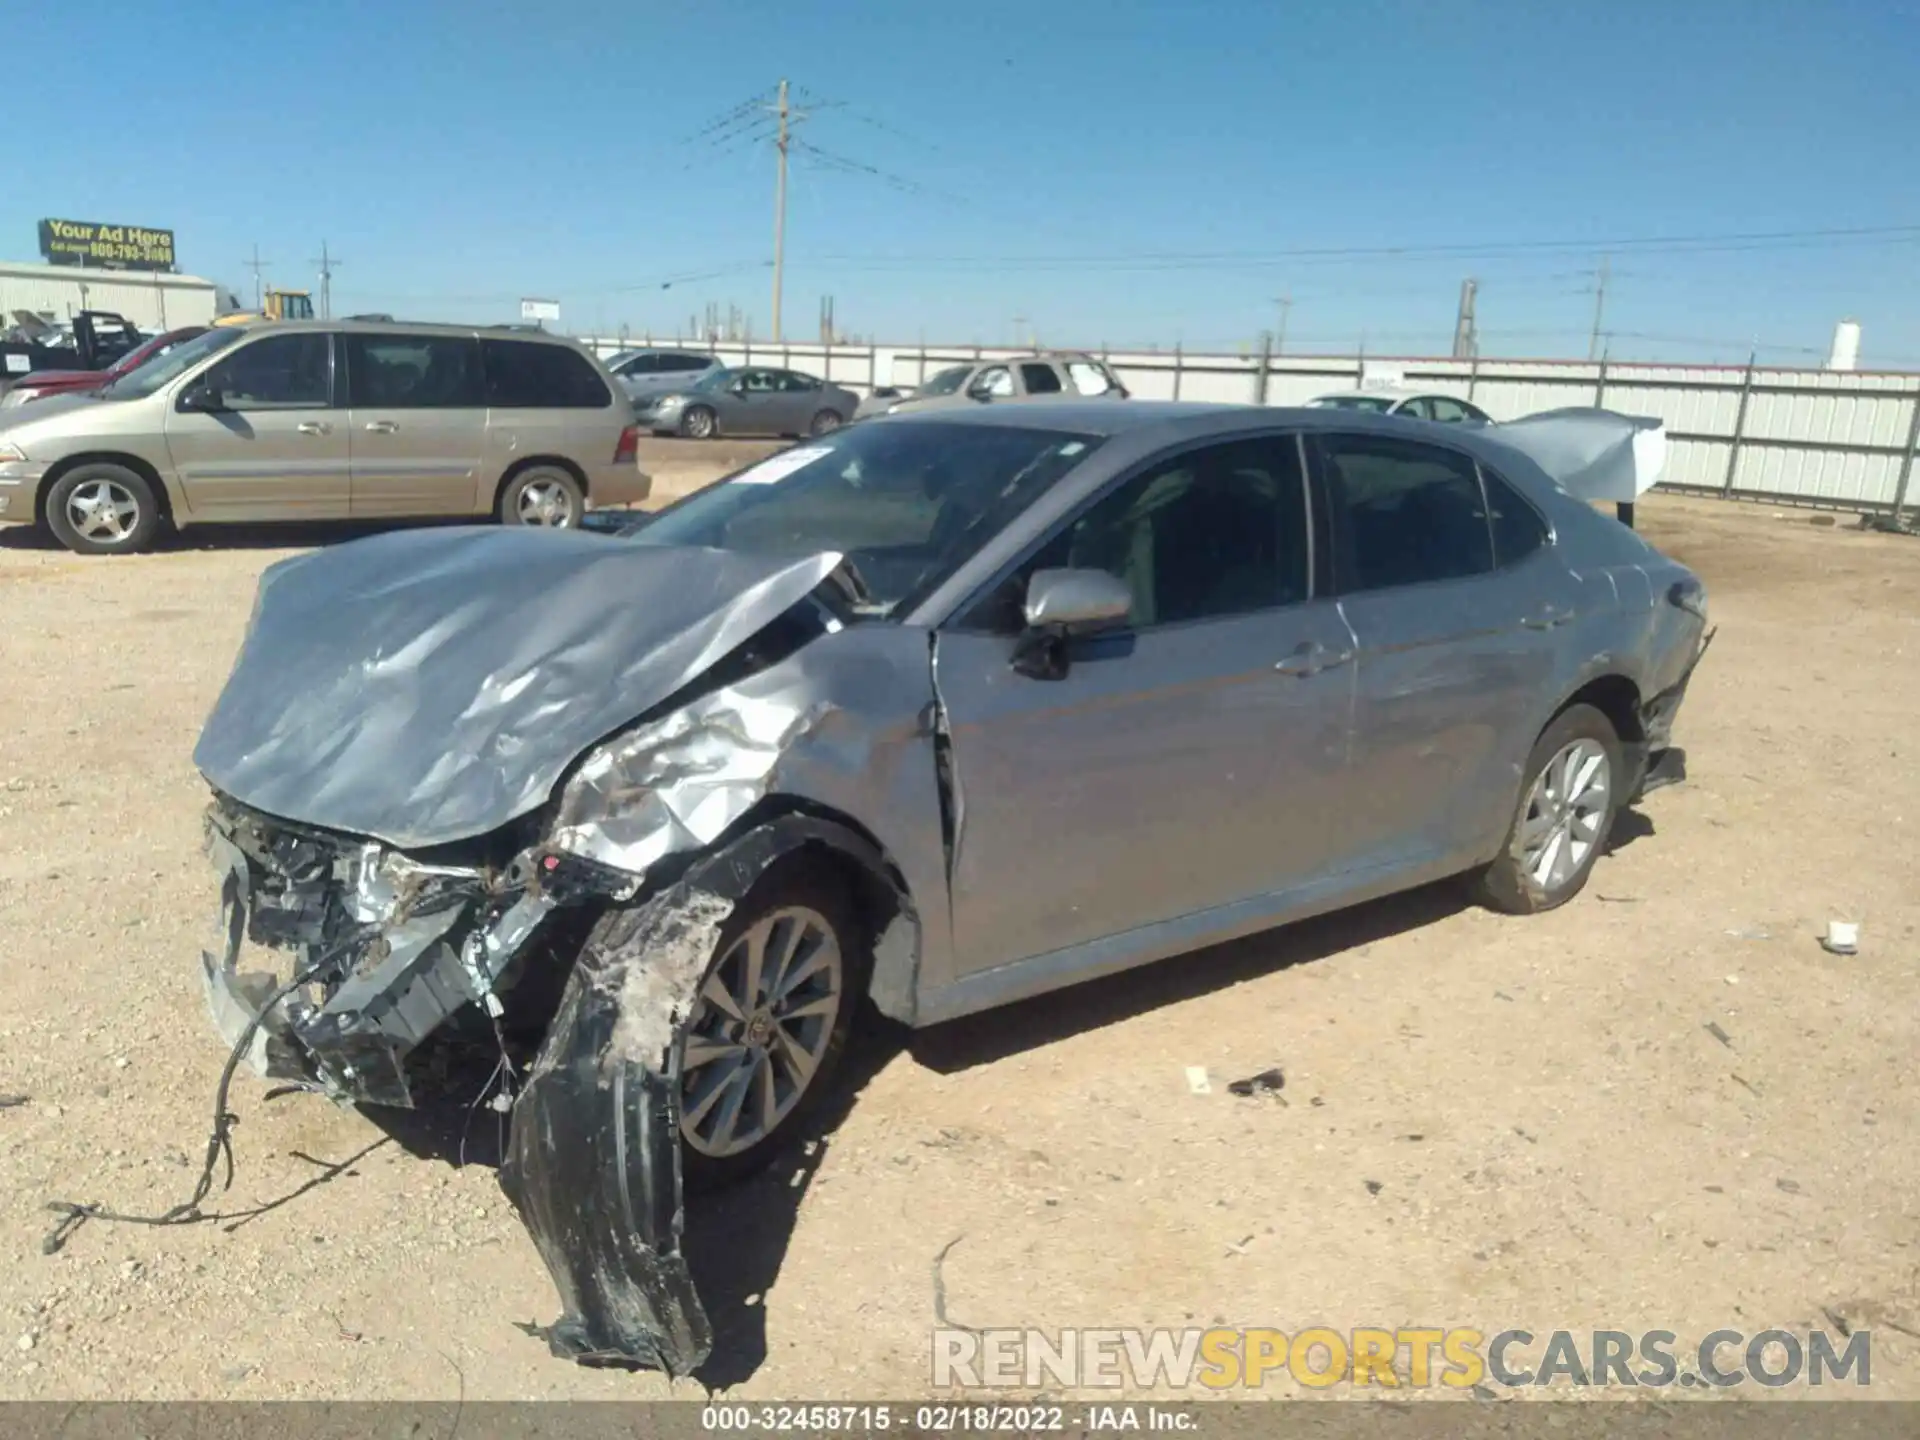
(886, 392)
(980, 393)
(202, 399)
(1061, 604)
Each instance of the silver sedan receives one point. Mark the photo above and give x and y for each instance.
(750, 400)
(941, 712)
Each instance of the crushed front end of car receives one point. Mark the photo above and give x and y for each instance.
(440, 758)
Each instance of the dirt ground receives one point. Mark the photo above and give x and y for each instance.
(1486, 1121)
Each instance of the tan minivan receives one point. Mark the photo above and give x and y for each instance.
(324, 420)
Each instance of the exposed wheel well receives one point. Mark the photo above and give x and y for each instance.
(520, 466)
(103, 457)
(1615, 697)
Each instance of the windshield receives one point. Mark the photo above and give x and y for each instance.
(946, 382)
(144, 380)
(907, 504)
(1372, 404)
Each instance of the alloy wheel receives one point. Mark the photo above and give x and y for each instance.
(545, 502)
(1566, 808)
(103, 510)
(763, 1023)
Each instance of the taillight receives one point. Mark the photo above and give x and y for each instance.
(629, 446)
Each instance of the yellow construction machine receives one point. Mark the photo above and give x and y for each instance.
(275, 305)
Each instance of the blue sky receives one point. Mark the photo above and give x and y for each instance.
(1118, 171)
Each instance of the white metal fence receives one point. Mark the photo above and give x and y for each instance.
(1832, 438)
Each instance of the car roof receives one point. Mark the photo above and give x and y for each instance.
(1179, 419)
(1377, 392)
(406, 327)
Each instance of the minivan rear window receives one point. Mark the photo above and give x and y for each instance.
(527, 375)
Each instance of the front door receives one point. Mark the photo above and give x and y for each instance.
(418, 421)
(1455, 648)
(276, 449)
(1189, 761)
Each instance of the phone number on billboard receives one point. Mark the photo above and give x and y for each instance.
(936, 1419)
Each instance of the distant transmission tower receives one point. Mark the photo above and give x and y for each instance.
(1466, 334)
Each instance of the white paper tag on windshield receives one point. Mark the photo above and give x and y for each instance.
(19, 364)
(777, 467)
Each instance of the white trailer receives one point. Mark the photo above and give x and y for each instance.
(153, 301)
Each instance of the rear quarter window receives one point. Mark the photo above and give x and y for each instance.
(527, 375)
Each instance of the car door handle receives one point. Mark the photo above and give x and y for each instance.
(381, 427)
(1311, 659)
(314, 427)
(1547, 617)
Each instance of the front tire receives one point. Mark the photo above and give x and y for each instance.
(103, 509)
(826, 422)
(1567, 806)
(699, 423)
(772, 1021)
(545, 496)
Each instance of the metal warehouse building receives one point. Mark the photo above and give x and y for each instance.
(154, 301)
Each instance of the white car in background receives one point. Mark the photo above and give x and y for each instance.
(1043, 375)
(1414, 404)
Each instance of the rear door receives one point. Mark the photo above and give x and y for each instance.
(417, 419)
(1455, 648)
(277, 449)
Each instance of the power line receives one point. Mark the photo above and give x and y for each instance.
(1681, 244)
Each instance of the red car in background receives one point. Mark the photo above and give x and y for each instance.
(39, 384)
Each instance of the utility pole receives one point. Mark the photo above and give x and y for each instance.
(257, 265)
(1466, 337)
(326, 263)
(1285, 302)
(1599, 308)
(780, 207)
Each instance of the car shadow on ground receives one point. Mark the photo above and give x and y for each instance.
(736, 1238)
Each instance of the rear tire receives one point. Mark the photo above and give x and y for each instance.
(826, 422)
(1569, 797)
(699, 423)
(544, 496)
(801, 903)
(103, 509)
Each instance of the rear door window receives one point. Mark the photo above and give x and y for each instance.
(527, 375)
(1040, 379)
(641, 365)
(414, 372)
(1404, 513)
(1518, 530)
(1449, 411)
(684, 362)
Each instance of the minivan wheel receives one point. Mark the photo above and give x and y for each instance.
(771, 1023)
(698, 423)
(102, 509)
(826, 422)
(1566, 812)
(544, 495)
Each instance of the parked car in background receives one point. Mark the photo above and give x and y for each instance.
(1414, 404)
(750, 400)
(39, 384)
(321, 420)
(1041, 376)
(655, 372)
(942, 712)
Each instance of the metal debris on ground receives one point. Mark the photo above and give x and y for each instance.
(1712, 1027)
(1842, 938)
(1267, 1082)
(1197, 1081)
(13, 1102)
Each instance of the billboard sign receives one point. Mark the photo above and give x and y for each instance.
(110, 247)
(539, 309)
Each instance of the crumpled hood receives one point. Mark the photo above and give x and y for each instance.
(431, 685)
